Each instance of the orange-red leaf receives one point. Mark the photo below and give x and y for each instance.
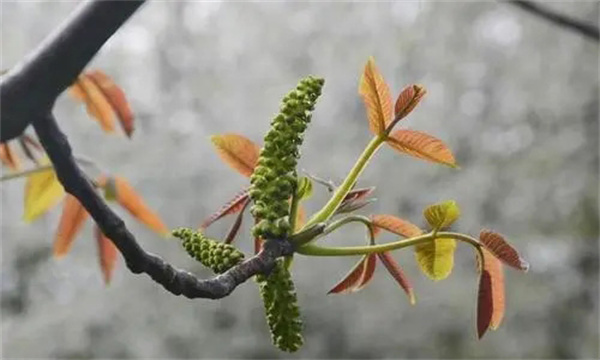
(107, 254)
(237, 151)
(71, 221)
(396, 271)
(133, 202)
(86, 90)
(422, 146)
(395, 225)
(377, 98)
(233, 206)
(300, 218)
(498, 246)
(116, 98)
(408, 99)
(490, 304)
(357, 278)
(8, 157)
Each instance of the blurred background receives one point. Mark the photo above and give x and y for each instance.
(513, 95)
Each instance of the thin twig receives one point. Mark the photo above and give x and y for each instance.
(588, 30)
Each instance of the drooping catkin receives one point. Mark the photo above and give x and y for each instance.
(281, 308)
(217, 256)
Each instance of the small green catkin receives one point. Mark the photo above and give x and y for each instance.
(217, 256)
(281, 308)
(274, 178)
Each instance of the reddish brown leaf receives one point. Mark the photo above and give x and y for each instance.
(233, 206)
(132, 202)
(395, 225)
(86, 90)
(485, 303)
(300, 218)
(369, 270)
(422, 146)
(236, 224)
(491, 300)
(408, 100)
(377, 98)
(257, 245)
(357, 278)
(237, 151)
(116, 98)
(396, 271)
(355, 200)
(8, 157)
(107, 254)
(71, 221)
(498, 246)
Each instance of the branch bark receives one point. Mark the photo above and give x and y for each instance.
(587, 30)
(28, 93)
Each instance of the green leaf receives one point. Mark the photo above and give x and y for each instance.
(305, 188)
(436, 258)
(442, 215)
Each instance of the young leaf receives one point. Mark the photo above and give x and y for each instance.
(132, 202)
(498, 246)
(355, 200)
(107, 254)
(305, 188)
(357, 278)
(236, 224)
(408, 99)
(368, 272)
(442, 215)
(86, 90)
(395, 225)
(71, 221)
(377, 98)
(491, 303)
(237, 151)
(116, 98)
(42, 192)
(436, 258)
(8, 157)
(231, 207)
(396, 271)
(422, 146)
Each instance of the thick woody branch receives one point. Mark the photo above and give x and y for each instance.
(31, 88)
(138, 261)
(588, 30)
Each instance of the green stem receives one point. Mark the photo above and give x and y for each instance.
(301, 241)
(336, 199)
(294, 210)
(315, 250)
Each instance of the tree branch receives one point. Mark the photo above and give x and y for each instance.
(588, 30)
(30, 88)
(28, 93)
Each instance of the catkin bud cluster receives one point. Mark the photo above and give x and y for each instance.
(274, 178)
(217, 256)
(281, 307)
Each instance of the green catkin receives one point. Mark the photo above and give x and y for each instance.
(274, 178)
(281, 307)
(217, 256)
